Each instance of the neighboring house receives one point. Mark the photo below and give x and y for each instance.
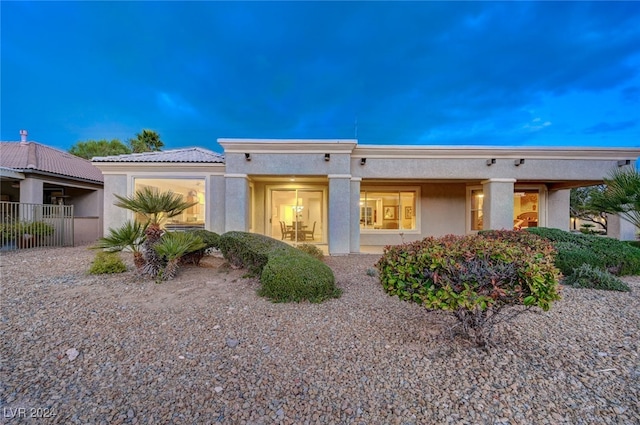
(32, 173)
(351, 196)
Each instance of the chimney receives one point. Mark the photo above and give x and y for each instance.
(23, 136)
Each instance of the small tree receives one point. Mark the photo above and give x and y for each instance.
(581, 206)
(91, 148)
(478, 278)
(156, 207)
(622, 195)
(146, 141)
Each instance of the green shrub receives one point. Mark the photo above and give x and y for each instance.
(171, 247)
(7, 234)
(312, 250)
(473, 276)
(36, 228)
(286, 273)
(297, 277)
(599, 252)
(250, 250)
(107, 262)
(586, 276)
(210, 240)
(28, 234)
(635, 244)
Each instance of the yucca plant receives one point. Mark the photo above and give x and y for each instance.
(131, 236)
(174, 245)
(156, 207)
(622, 195)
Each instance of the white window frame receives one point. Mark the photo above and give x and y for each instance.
(417, 212)
(542, 203)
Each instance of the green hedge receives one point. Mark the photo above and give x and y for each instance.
(575, 249)
(286, 273)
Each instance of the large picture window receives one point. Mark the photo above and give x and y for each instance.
(191, 190)
(388, 209)
(526, 208)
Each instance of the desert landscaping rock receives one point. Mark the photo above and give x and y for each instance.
(204, 348)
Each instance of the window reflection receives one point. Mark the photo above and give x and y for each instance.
(390, 209)
(192, 190)
(525, 209)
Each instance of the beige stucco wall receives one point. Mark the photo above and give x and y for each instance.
(236, 202)
(443, 209)
(558, 209)
(298, 164)
(114, 217)
(216, 190)
(31, 191)
(86, 230)
(621, 228)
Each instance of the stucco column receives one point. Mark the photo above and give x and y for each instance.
(114, 217)
(620, 228)
(498, 204)
(31, 191)
(339, 213)
(216, 203)
(236, 209)
(354, 244)
(558, 214)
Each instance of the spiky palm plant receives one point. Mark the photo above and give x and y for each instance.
(131, 236)
(156, 207)
(174, 245)
(622, 195)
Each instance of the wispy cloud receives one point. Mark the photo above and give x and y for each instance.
(175, 105)
(537, 124)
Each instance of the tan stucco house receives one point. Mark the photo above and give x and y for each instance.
(350, 197)
(33, 173)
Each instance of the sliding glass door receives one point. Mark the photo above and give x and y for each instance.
(298, 215)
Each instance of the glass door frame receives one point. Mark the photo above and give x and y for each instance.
(292, 187)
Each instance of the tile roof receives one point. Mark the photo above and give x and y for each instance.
(35, 157)
(174, 155)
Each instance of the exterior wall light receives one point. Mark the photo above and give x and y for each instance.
(363, 161)
(491, 161)
(247, 156)
(518, 162)
(327, 156)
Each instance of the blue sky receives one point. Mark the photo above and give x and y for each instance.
(435, 73)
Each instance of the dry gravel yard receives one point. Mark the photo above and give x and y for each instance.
(205, 349)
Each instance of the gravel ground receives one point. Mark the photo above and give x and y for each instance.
(203, 348)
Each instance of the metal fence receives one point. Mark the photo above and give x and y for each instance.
(25, 225)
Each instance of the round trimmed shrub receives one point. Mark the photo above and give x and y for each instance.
(286, 273)
(295, 277)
